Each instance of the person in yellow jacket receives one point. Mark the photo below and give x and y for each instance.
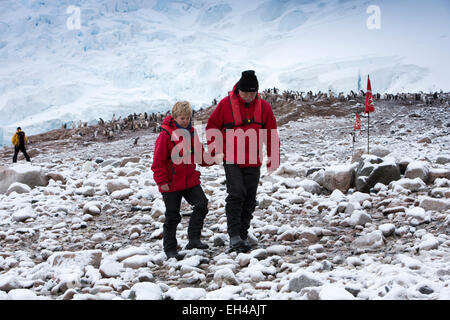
(19, 140)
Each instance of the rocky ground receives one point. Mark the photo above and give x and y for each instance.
(85, 220)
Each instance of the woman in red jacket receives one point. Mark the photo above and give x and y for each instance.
(176, 150)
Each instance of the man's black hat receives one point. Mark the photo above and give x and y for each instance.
(248, 81)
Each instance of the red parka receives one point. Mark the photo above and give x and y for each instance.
(179, 175)
(223, 119)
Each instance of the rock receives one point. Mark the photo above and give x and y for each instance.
(338, 177)
(312, 293)
(413, 185)
(259, 254)
(24, 214)
(318, 176)
(443, 159)
(136, 262)
(190, 294)
(110, 269)
(429, 242)
(243, 259)
(122, 194)
(68, 295)
(219, 240)
(310, 186)
(359, 218)
(372, 170)
(426, 290)
(129, 252)
(302, 281)
(79, 258)
(130, 159)
(379, 151)
(86, 191)
(117, 184)
(416, 212)
(226, 276)
(288, 235)
(92, 207)
(27, 174)
(438, 174)
(56, 177)
(359, 197)
(306, 234)
(145, 291)
(417, 169)
(372, 240)
(424, 140)
(98, 237)
(387, 229)
(335, 292)
(21, 294)
(111, 162)
(18, 188)
(88, 166)
(8, 283)
(429, 204)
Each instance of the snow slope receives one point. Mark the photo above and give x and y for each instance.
(135, 55)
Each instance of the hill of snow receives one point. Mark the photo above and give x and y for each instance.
(134, 55)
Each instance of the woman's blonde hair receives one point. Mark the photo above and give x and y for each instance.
(181, 108)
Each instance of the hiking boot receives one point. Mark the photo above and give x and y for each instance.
(246, 245)
(174, 254)
(236, 244)
(196, 244)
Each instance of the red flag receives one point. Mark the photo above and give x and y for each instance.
(357, 123)
(369, 101)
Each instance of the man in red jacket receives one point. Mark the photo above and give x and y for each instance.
(246, 122)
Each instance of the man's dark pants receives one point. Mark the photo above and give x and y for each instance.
(242, 184)
(195, 197)
(24, 151)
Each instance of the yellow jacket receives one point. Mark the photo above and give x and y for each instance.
(15, 138)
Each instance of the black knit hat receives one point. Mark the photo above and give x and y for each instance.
(248, 81)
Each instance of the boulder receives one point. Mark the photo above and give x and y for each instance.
(27, 174)
(77, 258)
(302, 281)
(310, 186)
(372, 170)
(417, 169)
(372, 240)
(18, 188)
(438, 174)
(429, 204)
(338, 177)
(130, 159)
(117, 184)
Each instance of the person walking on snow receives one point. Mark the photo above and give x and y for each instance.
(19, 140)
(240, 116)
(177, 180)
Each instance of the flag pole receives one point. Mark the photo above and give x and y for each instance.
(368, 131)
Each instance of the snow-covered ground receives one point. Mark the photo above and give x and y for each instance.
(143, 55)
(94, 232)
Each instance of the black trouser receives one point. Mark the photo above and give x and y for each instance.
(195, 197)
(24, 151)
(242, 184)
